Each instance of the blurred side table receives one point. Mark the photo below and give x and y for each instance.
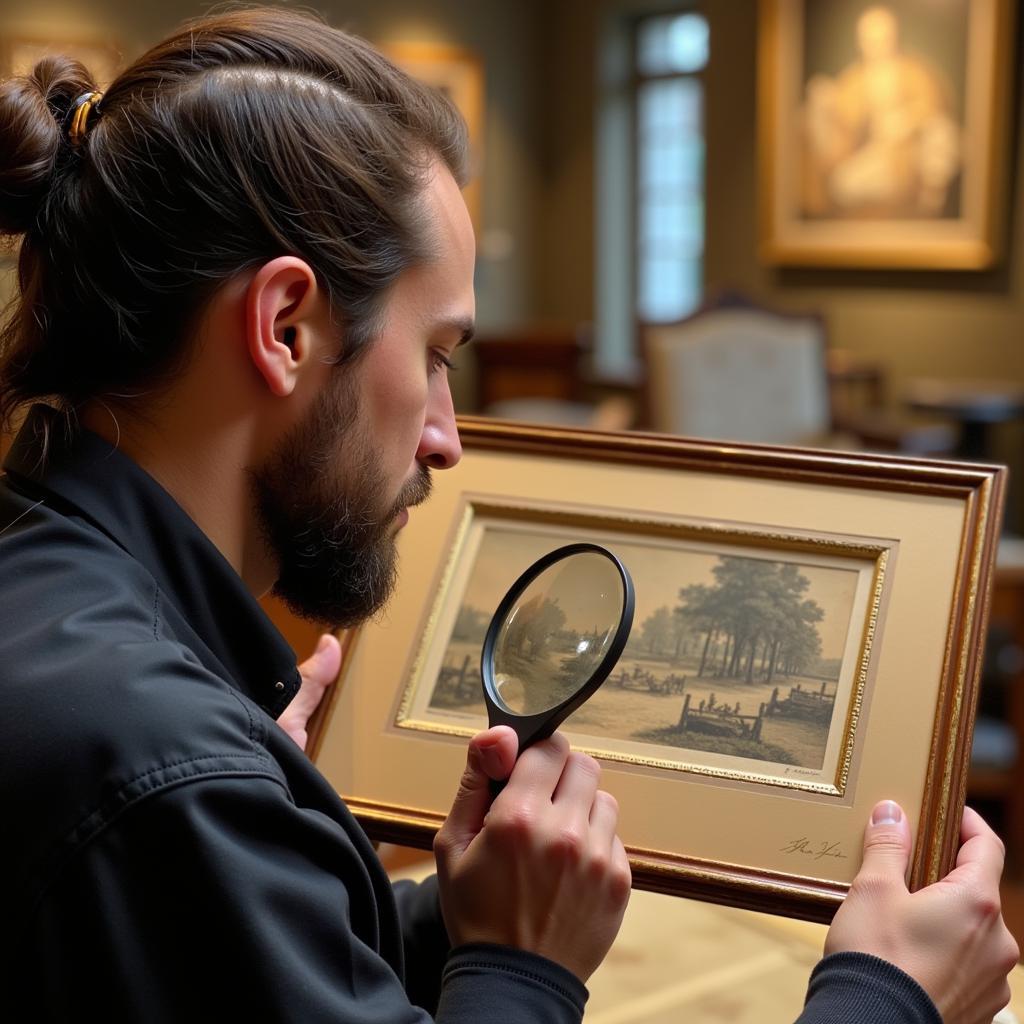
(995, 774)
(975, 405)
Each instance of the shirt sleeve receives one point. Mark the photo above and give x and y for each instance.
(219, 899)
(856, 988)
(542, 990)
(424, 939)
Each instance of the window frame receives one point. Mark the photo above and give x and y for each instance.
(637, 79)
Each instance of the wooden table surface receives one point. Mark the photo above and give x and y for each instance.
(679, 960)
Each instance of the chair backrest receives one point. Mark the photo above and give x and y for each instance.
(737, 372)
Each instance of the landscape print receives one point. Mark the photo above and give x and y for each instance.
(737, 656)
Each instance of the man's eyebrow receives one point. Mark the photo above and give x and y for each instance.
(461, 325)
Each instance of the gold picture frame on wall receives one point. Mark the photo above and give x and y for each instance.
(459, 74)
(827, 610)
(882, 132)
(101, 56)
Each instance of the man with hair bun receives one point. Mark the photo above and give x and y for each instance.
(244, 272)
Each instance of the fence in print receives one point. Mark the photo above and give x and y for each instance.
(801, 703)
(662, 704)
(717, 718)
(720, 719)
(643, 679)
(457, 683)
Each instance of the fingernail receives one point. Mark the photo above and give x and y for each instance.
(491, 761)
(487, 758)
(887, 813)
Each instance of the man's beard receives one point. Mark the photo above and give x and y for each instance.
(321, 505)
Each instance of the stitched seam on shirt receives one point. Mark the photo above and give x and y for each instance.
(150, 790)
(484, 965)
(156, 611)
(75, 847)
(119, 809)
(256, 735)
(176, 764)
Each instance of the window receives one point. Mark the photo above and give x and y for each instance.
(670, 55)
(650, 179)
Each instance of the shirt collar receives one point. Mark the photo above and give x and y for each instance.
(126, 503)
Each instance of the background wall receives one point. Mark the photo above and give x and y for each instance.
(542, 64)
(952, 324)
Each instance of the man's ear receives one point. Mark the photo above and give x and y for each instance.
(280, 321)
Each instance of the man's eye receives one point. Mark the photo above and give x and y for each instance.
(441, 360)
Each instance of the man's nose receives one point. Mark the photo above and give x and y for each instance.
(440, 447)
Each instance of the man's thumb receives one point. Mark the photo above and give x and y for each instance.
(485, 760)
(324, 664)
(887, 841)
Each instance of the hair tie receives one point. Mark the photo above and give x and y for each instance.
(78, 115)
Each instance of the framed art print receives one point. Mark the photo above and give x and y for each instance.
(805, 643)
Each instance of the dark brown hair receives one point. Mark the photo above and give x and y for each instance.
(243, 137)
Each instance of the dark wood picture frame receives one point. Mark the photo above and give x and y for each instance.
(939, 522)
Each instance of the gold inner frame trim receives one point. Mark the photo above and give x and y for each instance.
(475, 507)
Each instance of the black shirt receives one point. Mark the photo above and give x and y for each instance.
(171, 854)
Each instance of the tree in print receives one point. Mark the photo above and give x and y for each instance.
(667, 633)
(536, 623)
(755, 619)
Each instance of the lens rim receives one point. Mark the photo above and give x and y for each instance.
(538, 726)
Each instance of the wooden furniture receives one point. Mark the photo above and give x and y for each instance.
(996, 779)
(975, 405)
(539, 375)
(538, 362)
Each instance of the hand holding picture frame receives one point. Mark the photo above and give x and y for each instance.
(806, 642)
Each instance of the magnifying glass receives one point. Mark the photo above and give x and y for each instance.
(556, 635)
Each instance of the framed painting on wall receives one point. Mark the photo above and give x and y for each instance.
(806, 642)
(459, 75)
(102, 57)
(882, 132)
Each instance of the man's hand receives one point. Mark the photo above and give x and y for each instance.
(541, 868)
(318, 672)
(950, 936)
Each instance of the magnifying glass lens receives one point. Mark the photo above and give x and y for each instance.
(554, 638)
(557, 633)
